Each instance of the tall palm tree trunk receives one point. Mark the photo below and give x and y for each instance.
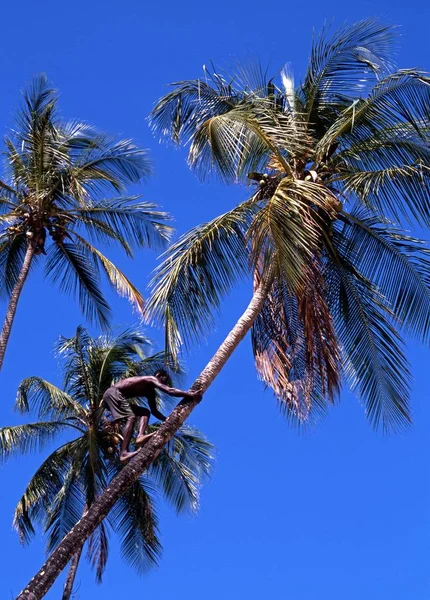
(13, 302)
(44, 579)
(68, 586)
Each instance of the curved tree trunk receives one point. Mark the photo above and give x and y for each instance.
(68, 586)
(13, 302)
(44, 579)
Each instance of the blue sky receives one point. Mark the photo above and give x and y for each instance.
(334, 512)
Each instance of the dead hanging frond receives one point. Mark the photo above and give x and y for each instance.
(321, 343)
(295, 346)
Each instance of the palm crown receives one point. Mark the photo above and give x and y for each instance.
(53, 201)
(71, 478)
(338, 161)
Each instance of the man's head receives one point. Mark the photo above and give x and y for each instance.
(163, 377)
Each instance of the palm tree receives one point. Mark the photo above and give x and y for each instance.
(338, 160)
(66, 484)
(53, 191)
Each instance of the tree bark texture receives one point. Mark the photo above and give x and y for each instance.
(13, 302)
(43, 580)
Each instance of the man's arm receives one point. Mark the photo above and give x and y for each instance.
(173, 391)
(154, 410)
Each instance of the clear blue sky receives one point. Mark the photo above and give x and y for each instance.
(337, 512)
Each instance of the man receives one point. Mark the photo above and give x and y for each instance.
(115, 400)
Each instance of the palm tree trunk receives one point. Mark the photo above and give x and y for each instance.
(44, 579)
(13, 302)
(68, 586)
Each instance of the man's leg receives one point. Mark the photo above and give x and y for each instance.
(143, 413)
(127, 434)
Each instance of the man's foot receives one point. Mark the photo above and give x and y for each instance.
(125, 456)
(142, 439)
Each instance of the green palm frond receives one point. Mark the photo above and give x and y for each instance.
(374, 360)
(78, 382)
(402, 192)
(400, 264)
(98, 550)
(26, 439)
(42, 489)
(231, 132)
(136, 523)
(8, 190)
(110, 356)
(181, 112)
(118, 280)
(399, 98)
(395, 146)
(233, 144)
(6, 201)
(344, 64)
(12, 252)
(194, 450)
(178, 483)
(287, 227)
(68, 505)
(181, 466)
(77, 273)
(99, 231)
(383, 147)
(46, 400)
(111, 162)
(140, 223)
(197, 271)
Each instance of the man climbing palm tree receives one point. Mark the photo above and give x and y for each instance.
(115, 399)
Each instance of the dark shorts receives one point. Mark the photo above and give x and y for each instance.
(120, 408)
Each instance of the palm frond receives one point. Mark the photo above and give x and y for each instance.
(374, 360)
(12, 253)
(68, 505)
(181, 467)
(93, 467)
(288, 227)
(399, 264)
(6, 202)
(38, 395)
(296, 349)
(98, 550)
(232, 131)
(38, 97)
(398, 145)
(232, 144)
(42, 490)
(197, 271)
(343, 65)
(194, 450)
(181, 112)
(77, 273)
(78, 382)
(28, 438)
(119, 281)
(136, 523)
(138, 222)
(110, 162)
(403, 192)
(384, 145)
